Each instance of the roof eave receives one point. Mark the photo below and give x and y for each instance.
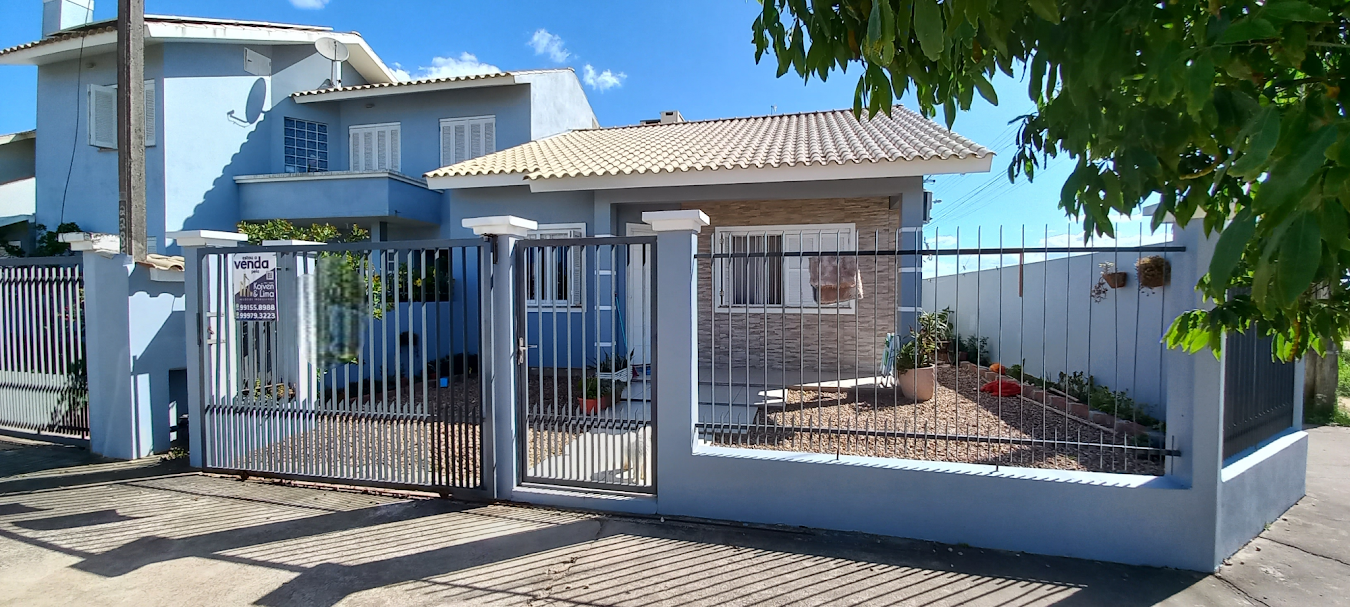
(363, 58)
(382, 91)
(816, 172)
(468, 182)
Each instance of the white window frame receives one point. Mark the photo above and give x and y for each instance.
(392, 160)
(487, 126)
(577, 296)
(98, 121)
(722, 275)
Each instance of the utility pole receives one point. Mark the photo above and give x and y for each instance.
(131, 126)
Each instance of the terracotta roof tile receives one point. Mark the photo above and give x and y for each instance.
(813, 138)
(405, 83)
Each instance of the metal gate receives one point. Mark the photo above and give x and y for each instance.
(583, 319)
(43, 385)
(1258, 392)
(351, 362)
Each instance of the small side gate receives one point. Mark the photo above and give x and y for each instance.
(583, 322)
(43, 385)
(355, 363)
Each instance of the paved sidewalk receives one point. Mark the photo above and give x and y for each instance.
(152, 533)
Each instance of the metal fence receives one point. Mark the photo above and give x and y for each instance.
(838, 341)
(584, 317)
(1258, 398)
(351, 362)
(43, 384)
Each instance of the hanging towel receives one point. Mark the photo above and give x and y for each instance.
(836, 279)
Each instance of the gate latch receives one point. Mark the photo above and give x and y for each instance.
(523, 349)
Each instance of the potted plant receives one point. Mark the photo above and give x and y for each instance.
(1113, 278)
(614, 369)
(918, 356)
(1153, 271)
(594, 395)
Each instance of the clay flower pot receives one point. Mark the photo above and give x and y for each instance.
(1115, 280)
(593, 405)
(918, 384)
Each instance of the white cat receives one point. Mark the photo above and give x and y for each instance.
(636, 448)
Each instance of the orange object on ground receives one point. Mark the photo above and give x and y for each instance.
(997, 368)
(1002, 387)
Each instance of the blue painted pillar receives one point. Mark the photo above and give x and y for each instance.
(119, 402)
(191, 241)
(675, 362)
(499, 363)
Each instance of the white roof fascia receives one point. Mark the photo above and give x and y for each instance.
(464, 182)
(425, 87)
(816, 172)
(363, 58)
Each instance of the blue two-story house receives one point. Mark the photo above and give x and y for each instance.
(249, 121)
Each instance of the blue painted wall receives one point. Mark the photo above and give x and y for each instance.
(341, 201)
(17, 160)
(90, 198)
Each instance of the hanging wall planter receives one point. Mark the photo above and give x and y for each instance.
(1111, 277)
(1153, 272)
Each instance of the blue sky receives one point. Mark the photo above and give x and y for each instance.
(638, 58)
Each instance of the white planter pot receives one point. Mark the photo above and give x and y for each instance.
(622, 375)
(918, 384)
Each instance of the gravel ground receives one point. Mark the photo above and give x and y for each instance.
(957, 408)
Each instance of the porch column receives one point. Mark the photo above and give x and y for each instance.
(675, 360)
(499, 366)
(191, 241)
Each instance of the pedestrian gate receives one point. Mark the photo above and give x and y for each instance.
(585, 385)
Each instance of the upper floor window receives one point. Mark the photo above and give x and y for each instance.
(375, 147)
(306, 146)
(555, 273)
(103, 115)
(467, 138)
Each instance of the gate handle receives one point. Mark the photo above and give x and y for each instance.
(523, 349)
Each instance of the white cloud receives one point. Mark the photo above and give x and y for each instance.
(467, 64)
(312, 5)
(602, 81)
(552, 45)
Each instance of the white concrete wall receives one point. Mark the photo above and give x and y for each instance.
(1054, 326)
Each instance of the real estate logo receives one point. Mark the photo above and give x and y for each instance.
(254, 277)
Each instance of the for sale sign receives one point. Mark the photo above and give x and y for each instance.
(254, 276)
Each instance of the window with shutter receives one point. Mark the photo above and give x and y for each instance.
(766, 278)
(467, 138)
(557, 274)
(102, 123)
(375, 147)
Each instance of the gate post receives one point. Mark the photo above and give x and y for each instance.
(191, 241)
(499, 366)
(676, 361)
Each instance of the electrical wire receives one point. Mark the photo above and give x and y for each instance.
(75, 136)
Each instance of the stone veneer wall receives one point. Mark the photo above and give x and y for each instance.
(808, 344)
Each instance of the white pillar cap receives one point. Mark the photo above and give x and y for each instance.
(206, 238)
(689, 220)
(500, 225)
(107, 244)
(289, 243)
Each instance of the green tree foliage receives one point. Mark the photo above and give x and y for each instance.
(1230, 112)
(280, 229)
(48, 243)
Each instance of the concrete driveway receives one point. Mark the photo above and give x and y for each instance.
(153, 533)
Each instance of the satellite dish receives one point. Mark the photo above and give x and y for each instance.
(331, 49)
(336, 52)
